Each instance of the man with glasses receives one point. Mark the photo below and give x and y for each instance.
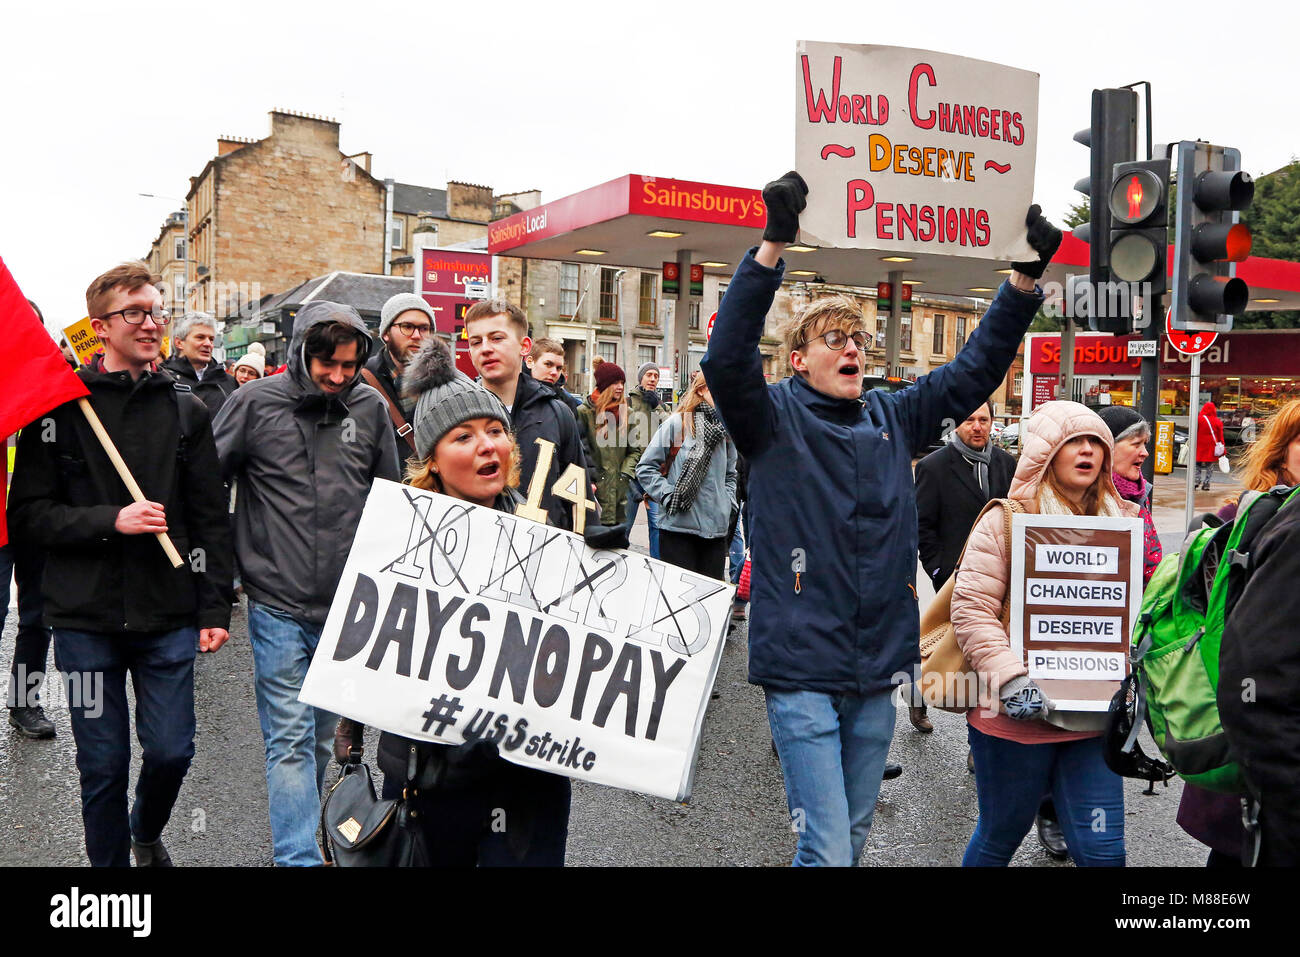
(834, 623)
(404, 323)
(115, 603)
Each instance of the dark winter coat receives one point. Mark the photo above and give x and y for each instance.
(539, 413)
(66, 496)
(305, 463)
(212, 388)
(831, 497)
(390, 383)
(948, 500)
(1261, 653)
(612, 460)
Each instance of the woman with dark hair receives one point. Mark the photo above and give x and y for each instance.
(464, 449)
(1131, 433)
(603, 425)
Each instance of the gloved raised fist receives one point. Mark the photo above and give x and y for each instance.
(1024, 700)
(785, 199)
(1044, 239)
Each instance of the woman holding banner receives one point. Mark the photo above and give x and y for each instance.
(1022, 748)
(475, 807)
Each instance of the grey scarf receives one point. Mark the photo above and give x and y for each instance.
(708, 434)
(978, 459)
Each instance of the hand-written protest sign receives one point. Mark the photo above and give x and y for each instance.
(914, 151)
(1076, 587)
(454, 622)
(81, 337)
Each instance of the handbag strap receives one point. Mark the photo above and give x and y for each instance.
(403, 427)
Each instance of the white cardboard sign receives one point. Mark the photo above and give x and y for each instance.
(914, 151)
(453, 621)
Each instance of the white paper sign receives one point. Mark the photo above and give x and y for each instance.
(914, 151)
(453, 622)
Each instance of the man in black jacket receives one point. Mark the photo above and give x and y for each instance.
(193, 364)
(113, 599)
(1259, 685)
(498, 342)
(405, 321)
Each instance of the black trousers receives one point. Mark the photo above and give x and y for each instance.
(705, 556)
(32, 644)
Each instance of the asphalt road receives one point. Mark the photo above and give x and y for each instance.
(736, 816)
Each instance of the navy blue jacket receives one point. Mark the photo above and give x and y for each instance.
(831, 494)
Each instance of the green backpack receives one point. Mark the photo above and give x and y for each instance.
(1175, 643)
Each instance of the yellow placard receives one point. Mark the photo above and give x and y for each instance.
(166, 347)
(83, 340)
(1164, 448)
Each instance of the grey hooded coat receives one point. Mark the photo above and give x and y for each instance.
(305, 462)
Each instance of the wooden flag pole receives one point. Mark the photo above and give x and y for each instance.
(102, 434)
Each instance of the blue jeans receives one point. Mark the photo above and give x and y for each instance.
(832, 750)
(161, 665)
(736, 555)
(1011, 779)
(634, 494)
(299, 738)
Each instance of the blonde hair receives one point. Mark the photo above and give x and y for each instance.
(420, 472)
(820, 317)
(690, 400)
(1265, 460)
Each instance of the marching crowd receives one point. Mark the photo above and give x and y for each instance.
(259, 476)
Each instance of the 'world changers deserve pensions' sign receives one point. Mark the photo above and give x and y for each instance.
(455, 622)
(914, 151)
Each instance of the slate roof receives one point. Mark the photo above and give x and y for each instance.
(418, 199)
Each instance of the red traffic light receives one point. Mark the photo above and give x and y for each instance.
(1212, 242)
(1134, 196)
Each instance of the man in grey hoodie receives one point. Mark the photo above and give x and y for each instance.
(306, 447)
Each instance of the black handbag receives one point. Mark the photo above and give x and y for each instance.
(362, 831)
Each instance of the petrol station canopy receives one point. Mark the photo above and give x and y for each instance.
(643, 221)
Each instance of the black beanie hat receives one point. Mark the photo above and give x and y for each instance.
(1123, 421)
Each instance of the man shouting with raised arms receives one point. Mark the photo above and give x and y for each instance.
(833, 614)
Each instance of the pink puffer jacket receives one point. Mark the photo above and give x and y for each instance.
(982, 580)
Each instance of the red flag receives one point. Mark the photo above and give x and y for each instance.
(35, 375)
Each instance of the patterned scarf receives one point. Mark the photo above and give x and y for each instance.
(709, 432)
(977, 459)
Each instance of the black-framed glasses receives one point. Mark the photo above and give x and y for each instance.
(410, 329)
(837, 339)
(136, 316)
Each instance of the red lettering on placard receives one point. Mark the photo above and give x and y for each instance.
(821, 110)
(918, 71)
(861, 196)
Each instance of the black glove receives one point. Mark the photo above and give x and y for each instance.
(1044, 239)
(785, 199)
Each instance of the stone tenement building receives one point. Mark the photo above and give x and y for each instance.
(267, 214)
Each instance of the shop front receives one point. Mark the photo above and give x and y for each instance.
(1246, 374)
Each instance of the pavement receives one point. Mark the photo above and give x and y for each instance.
(736, 815)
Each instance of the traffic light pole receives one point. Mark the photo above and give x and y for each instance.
(1193, 420)
(1150, 405)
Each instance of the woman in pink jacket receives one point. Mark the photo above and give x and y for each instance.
(1064, 469)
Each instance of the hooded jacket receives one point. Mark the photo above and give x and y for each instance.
(539, 412)
(832, 507)
(212, 388)
(710, 514)
(305, 462)
(66, 496)
(984, 574)
(1206, 437)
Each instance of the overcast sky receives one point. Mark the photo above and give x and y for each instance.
(102, 102)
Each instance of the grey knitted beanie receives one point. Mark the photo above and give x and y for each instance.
(399, 304)
(444, 396)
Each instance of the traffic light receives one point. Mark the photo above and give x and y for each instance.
(1209, 238)
(1139, 223)
(1112, 138)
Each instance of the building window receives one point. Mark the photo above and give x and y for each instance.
(1018, 384)
(646, 354)
(960, 339)
(906, 338)
(608, 294)
(607, 351)
(398, 240)
(694, 324)
(568, 289)
(937, 346)
(649, 299)
(180, 248)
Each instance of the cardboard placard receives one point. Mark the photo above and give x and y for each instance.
(81, 337)
(914, 151)
(1076, 587)
(453, 621)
